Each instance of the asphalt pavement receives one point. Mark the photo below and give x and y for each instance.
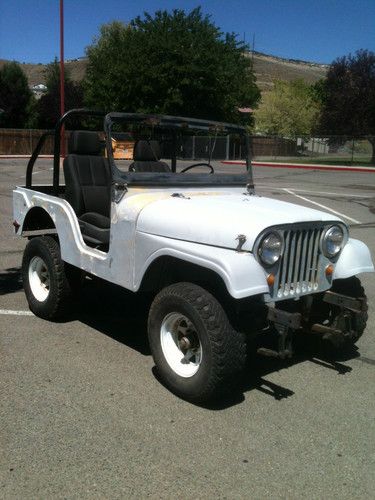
(82, 414)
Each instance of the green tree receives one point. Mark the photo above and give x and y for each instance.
(32, 120)
(48, 106)
(348, 97)
(175, 63)
(15, 96)
(289, 110)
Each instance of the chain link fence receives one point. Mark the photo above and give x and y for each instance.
(330, 149)
(335, 149)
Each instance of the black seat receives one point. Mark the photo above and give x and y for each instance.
(146, 157)
(88, 186)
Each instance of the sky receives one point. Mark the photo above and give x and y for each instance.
(311, 30)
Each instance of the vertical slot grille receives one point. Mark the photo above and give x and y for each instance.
(298, 272)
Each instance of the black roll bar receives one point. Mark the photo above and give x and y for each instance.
(34, 156)
(57, 146)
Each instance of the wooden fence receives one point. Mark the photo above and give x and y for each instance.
(23, 142)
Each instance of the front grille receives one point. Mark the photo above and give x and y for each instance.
(298, 273)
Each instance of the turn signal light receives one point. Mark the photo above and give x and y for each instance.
(329, 270)
(271, 279)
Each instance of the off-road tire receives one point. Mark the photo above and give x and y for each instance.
(352, 288)
(223, 348)
(64, 279)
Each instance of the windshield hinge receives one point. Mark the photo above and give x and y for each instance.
(180, 195)
(250, 190)
(119, 189)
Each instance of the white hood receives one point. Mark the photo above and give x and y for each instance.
(217, 219)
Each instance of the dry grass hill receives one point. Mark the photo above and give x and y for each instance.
(35, 72)
(267, 68)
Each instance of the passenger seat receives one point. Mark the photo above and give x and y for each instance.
(147, 158)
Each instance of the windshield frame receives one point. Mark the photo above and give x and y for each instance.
(175, 123)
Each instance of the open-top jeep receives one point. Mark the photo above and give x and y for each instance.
(221, 262)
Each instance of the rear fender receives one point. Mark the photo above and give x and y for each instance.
(72, 247)
(21, 206)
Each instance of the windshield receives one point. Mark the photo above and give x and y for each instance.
(165, 150)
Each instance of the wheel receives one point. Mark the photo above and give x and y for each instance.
(330, 315)
(196, 351)
(49, 283)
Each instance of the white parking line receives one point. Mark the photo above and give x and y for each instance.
(322, 206)
(10, 312)
(38, 172)
(329, 193)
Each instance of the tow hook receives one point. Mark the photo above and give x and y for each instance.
(341, 329)
(345, 302)
(285, 324)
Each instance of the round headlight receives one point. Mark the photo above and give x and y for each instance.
(332, 241)
(270, 248)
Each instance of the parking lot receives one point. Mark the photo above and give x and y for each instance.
(83, 416)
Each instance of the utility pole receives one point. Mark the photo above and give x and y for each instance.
(62, 76)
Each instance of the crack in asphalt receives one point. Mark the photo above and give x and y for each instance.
(364, 225)
(368, 361)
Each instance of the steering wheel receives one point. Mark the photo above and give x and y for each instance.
(198, 165)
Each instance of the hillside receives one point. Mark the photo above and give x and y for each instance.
(266, 67)
(35, 72)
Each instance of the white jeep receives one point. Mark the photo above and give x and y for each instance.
(221, 262)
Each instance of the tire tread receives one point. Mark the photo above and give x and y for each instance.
(56, 304)
(227, 344)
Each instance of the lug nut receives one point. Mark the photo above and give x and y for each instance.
(184, 343)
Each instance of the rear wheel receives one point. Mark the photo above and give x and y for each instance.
(49, 283)
(196, 351)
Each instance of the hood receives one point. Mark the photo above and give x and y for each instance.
(218, 219)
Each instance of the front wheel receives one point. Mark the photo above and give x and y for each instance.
(351, 324)
(196, 351)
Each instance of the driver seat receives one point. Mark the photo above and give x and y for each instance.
(146, 157)
(88, 182)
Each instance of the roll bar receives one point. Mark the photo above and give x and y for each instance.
(57, 145)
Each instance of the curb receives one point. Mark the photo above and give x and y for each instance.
(304, 166)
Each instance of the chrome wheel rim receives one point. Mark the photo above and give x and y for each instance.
(39, 278)
(180, 344)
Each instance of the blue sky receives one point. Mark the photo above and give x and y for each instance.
(314, 30)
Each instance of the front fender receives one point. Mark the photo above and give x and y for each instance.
(354, 259)
(241, 273)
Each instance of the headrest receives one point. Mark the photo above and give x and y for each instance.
(83, 142)
(146, 151)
